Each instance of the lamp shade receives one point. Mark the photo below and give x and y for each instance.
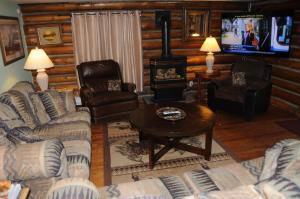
(210, 45)
(38, 59)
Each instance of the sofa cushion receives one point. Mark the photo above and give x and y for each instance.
(283, 159)
(74, 188)
(53, 103)
(20, 104)
(163, 187)
(222, 178)
(73, 117)
(35, 160)
(103, 98)
(39, 108)
(25, 88)
(10, 117)
(280, 187)
(68, 99)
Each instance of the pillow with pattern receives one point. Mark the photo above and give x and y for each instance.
(238, 79)
(114, 85)
(53, 103)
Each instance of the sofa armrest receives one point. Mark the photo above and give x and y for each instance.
(129, 87)
(78, 188)
(69, 100)
(34, 160)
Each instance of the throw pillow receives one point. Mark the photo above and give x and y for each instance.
(238, 79)
(114, 85)
(53, 103)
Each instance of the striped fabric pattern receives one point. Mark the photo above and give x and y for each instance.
(280, 187)
(75, 188)
(254, 166)
(53, 103)
(39, 108)
(30, 161)
(10, 117)
(279, 158)
(200, 181)
(19, 103)
(176, 186)
(69, 100)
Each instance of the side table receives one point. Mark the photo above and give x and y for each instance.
(203, 77)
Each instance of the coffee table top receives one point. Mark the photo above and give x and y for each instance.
(198, 120)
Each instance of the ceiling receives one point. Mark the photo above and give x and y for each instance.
(55, 1)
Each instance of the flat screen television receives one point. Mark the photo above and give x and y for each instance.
(256, 33)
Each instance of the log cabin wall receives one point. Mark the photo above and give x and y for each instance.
(286, 71)
(63, 75)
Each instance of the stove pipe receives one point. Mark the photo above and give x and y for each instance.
(163, 21)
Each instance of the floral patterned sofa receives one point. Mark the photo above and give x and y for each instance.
(43, 139)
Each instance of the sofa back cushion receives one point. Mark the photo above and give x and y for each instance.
(39, 108)
(21, 105)
(53, 103)
(10, 117)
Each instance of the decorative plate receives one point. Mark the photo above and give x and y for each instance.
(170, 113)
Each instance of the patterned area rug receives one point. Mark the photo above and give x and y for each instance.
(129, 158)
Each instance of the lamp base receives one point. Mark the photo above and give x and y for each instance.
(42, 79)
(210, 59)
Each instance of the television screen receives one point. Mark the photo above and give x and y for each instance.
(256, 34)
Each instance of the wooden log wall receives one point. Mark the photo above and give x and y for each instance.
(286, 71)
(63, 75)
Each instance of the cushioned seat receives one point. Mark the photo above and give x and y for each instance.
(246, 90)
(103, 90)
(111, 97)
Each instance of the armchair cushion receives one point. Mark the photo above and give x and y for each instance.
(34, 160)
(114, 85)
(238, 79)
(236, 94)
(111, 97)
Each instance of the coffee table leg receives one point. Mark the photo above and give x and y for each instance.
(208, 144)
(151, 153)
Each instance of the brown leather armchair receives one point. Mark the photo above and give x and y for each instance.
(97, 93)
(253, 97)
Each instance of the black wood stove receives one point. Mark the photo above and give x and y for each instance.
(167, 72)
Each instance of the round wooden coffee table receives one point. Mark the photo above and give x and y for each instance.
(155, 130)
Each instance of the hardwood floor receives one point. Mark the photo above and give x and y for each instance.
(243, 140)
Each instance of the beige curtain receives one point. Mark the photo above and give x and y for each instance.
(110, 35)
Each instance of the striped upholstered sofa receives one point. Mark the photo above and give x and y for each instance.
(43, 140)
(276, 175)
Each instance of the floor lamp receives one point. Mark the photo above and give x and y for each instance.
(38, 60)
(210, 46)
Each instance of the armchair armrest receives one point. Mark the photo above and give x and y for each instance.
(130, 87)
(85, 94)
(35, 160)
(78, 188)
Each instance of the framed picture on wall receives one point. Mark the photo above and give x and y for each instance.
(49, 35)
(10, 40)
(195, 24)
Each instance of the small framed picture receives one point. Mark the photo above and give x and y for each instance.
(10, 40)
(49, 35)
(196, 24)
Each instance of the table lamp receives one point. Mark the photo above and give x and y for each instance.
(210, 46)
(38, 60)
